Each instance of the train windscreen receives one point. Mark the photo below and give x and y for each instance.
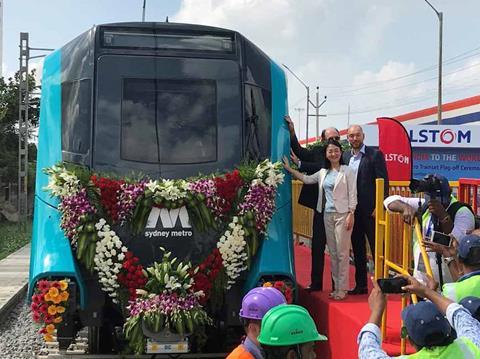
(162, 116)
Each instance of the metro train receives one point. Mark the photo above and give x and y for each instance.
(169, 101)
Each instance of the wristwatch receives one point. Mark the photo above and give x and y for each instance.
(448, 260)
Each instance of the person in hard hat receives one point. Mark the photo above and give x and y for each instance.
(425, 325)
(289, 332)
(255, 304)
(472, 304)
(464, 265)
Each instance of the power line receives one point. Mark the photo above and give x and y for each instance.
(405, 85)
(391, 105)
(449, 61)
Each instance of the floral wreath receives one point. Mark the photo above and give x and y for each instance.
(241, 201)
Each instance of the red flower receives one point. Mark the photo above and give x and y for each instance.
(109, 191)
(131, 275)
(288, 295)
(279, 285)
(44, 308)
(43, 285)
(227, 188)
(36, 317)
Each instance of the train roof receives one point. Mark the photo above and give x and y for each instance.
(167, 25)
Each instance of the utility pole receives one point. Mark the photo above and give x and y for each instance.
(23, 123)
(317, 115)
(143, 10)
(440, 46)
(316, 105)
(348, 118)
(23, 104)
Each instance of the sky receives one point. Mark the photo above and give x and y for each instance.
(371, 58)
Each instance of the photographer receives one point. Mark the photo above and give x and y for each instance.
(463, 262)
(425, 325)
(438, 212)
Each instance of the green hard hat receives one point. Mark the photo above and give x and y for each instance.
(288, 324)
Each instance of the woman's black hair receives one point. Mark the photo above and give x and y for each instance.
(331, 141)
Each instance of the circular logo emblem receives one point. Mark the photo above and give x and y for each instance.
(447, 136)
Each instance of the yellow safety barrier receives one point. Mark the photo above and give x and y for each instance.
(302, 216)
(384, 261)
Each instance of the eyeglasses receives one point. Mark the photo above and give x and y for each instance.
(334, 138)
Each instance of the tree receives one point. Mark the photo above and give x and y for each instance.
(9, 107)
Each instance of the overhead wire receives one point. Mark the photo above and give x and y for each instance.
(449, 61)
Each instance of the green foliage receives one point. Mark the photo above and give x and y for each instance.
(13, 237)
(9, 125)
(247, 170)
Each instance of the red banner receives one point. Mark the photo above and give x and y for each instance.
(394, 142)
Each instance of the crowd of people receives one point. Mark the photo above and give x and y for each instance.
(339, 186)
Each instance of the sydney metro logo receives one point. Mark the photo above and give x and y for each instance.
(168, 225)
(446, 136)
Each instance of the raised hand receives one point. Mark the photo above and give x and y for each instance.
(291, 126)
(294, 158)
(286, 164)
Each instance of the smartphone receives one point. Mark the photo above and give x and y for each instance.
(392, 285)
(441, 238)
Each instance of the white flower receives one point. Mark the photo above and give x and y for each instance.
(232, 249)
(107, 262)
(152, 186)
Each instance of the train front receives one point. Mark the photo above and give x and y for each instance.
(158, 100)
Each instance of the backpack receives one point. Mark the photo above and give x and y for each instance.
(455, 206)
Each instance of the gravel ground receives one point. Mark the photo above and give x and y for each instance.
(18, 334)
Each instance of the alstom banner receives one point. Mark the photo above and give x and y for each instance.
(452, 151)
(398, 153)
(433, 136)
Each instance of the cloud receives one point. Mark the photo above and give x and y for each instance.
(353, 50)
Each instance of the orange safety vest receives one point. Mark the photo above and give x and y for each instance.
(240, 352)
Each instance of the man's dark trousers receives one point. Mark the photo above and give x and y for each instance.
(318, 250)
(364, 225)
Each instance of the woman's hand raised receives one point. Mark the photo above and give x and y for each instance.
(286, 164)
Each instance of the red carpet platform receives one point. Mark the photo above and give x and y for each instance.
(341, 321)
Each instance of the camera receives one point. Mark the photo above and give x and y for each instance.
(392, 285)
(441, 238)
(429, 184)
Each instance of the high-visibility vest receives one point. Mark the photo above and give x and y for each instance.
(464, 288)
(461, 348)
(240, 352)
